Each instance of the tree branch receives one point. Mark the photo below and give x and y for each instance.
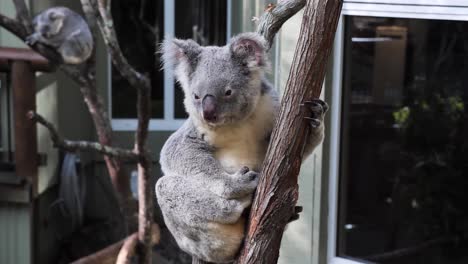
(22, 14)
(106, 25)
(277, 191)
(110, 254)
(275, 16)
(143, 85)
(73, 146)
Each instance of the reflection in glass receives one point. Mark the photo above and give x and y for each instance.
(404, 158)
(203, 21)
(138, 27)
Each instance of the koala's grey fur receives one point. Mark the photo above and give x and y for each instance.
(211, 163)
(64, 30)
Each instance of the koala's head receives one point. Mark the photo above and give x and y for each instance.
(49, 22)
(222, 85)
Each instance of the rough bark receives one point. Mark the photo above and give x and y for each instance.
(277, 192)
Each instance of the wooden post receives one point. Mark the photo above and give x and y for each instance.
(24, 100)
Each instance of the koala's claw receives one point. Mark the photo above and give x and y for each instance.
(295, 216)
(316, 105)
(244, 170)
(317, 109)
(314, 122)
(29, 40)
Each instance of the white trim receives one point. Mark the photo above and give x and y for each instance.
(335, 124)
(169, 85)
(414, 2)
(406, 11)
(337, 260)
(130, 124)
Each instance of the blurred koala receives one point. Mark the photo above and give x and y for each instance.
(64, 30)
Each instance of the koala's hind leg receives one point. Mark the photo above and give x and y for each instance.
(187, 199)
(75, 50)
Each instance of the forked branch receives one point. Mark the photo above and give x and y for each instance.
(275, 16)
(73, 146)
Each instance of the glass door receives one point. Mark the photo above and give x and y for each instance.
(404, 150)
(398, 144)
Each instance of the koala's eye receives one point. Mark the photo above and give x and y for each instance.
(196, 97)
(228, 92)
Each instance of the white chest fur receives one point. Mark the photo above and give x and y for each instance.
(245, 144)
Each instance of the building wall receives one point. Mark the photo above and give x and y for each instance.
(15, 230)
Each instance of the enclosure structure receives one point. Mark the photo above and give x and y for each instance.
(346, 186)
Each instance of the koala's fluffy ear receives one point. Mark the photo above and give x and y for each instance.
(55, 15)
(176, 52)
(250, 48)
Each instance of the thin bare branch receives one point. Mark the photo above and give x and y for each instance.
(73, 146)
(128, 250)
(106, 25)
(110, 254)
(22, 14)
(275, 16)
(143, 85)
(90, 13)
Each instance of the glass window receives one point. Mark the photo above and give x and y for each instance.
(203, 21)
(6, 156)
(404, 144)
(143, 26)
(138, 28)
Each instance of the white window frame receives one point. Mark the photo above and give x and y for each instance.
(169, 122)
(418, 9)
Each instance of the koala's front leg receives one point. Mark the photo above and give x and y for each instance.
(317, 109)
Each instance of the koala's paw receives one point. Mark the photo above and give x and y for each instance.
(248, 177)
(317, 109)
(31, 40)
(295, 216)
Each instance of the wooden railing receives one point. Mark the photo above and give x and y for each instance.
(21, 65)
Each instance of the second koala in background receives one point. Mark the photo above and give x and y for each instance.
(211, 163)
(64, 30)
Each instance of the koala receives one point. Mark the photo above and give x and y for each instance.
(211, 164)
(64, 30)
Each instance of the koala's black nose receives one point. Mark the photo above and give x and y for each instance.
(209, 108)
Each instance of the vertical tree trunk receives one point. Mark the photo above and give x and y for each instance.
(277, 192)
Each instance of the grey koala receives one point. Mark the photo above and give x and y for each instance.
(64, 30)
(211, 163)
